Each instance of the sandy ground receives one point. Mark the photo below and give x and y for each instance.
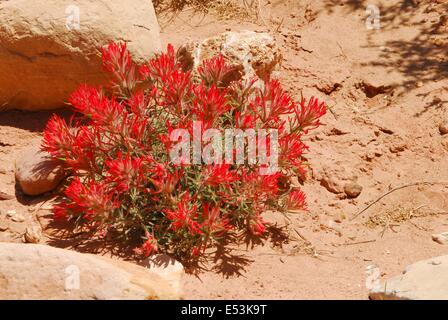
(388, 92)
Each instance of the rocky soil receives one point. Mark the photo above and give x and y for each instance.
(378, 181)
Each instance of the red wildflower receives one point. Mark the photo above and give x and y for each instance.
(219, 174)
(82, 152)
(257, 226)
(159, 68)
(57, 137)
(163, 181)
(185, 216)
(175, 91)
(116, 57)
(214, 221)
(89, 200)
(272, 102)
(125, 172)
(148, 247)
(195, 251)
(217, 71)
(209, 103)
(291, 151)
(245, 121)
(262, 184)
(296, 200)
(118, 152)
(307, 115)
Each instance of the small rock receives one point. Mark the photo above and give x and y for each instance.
(333, 225)
(373, 88)
(397, 148)
(37, 172)
(424, 280)
(331, 184)
(386, 130)
(5, 196)
(441, 238)
(443, 127)
(3, 228)
(337, 132)
(340, 217)
(435, 262)
(328, 87)
(250, 53)
(352, 189)
(445, 143)
(14, 216)
(32, 235)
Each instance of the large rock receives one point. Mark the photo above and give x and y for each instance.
(32, 271)
(46, 54)
(166, 267)
(424, 280)
(253, 53)
(37, 172)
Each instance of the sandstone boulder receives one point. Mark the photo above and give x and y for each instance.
(36, 172)
(424, 280)
(49, 47)
(33, 271)
(166, 267)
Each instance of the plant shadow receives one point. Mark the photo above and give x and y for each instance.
(226, 258)
(422, 58)
(62, 234)
(33, 121)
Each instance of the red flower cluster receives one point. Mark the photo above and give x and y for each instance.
(117, 152)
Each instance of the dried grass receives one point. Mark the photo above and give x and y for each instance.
(245, 10)
(399, 215)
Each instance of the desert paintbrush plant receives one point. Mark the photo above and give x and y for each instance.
(117, 153)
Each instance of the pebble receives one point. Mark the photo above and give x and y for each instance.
(397, 148)
(14, 216)
(441, 238)
(32, 235)
(352, 189)
(443, 127)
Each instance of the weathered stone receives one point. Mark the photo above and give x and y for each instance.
(5, 196)
(47, 52)
(32, 234)
(374, 84)
(33, 271)
(352, 189)
(441, 238)
(443, 127)
(250, 53)
(37, 172)
(15, 216)
(168, 268)
(424, 280)
(332, 184)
